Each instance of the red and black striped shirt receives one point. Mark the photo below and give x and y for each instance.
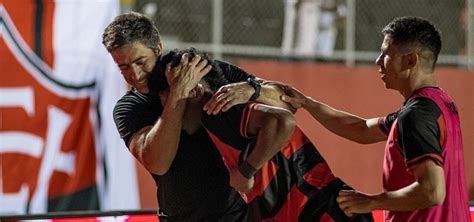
(295, 185)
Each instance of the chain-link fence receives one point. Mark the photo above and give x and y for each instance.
(180, 20)
(260, 28)
(372, 16)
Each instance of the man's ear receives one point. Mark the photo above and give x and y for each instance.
(158, 50)
(410, 60)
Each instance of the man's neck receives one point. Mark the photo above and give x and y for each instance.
(427, 80)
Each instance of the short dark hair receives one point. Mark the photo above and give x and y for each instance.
(158, 82)
(129, 28)
(415, 31)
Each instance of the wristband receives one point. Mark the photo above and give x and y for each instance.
(247, 170)
(255, 85)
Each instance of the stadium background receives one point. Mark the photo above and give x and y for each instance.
(59, 150)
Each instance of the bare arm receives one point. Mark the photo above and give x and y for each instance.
(344, 124)
(428, 190)
(156, 146)
(273, 127)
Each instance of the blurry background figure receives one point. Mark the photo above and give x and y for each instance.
(332, 11)
(147, 7)
(127, 5)
(316, 30)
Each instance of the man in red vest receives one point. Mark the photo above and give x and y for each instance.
(423, 171)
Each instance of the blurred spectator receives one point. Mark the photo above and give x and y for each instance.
(316, 30)
(126, 5)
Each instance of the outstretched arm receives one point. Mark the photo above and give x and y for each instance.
(344, 124)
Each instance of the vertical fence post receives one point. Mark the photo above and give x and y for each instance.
(217, 30)
(350, 33)
(470, 34)
(288, 28)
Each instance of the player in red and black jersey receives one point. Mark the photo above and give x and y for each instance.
(295, 185)
(424, 130)
(423, 171)
(282, 175)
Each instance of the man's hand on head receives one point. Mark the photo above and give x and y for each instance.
(239, 93)
(186, 75)
(293, 97)
(228, 96)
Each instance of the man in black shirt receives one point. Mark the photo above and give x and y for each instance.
(192, 182)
